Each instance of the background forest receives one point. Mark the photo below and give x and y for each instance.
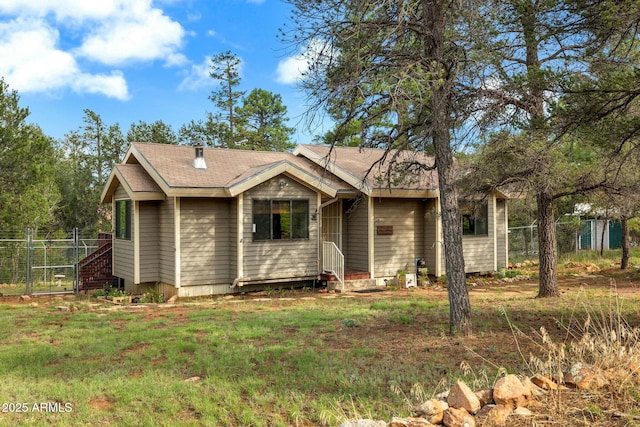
(55, 185)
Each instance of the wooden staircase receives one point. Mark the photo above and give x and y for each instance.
(96, 269)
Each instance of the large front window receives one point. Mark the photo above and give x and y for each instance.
(475, 218)
(123, 219)
(280, 219)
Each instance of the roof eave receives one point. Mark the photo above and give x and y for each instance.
(116, 178)
(405, 193)
(324, 162)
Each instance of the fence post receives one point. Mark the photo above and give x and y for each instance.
(76, 254)
(29, 262)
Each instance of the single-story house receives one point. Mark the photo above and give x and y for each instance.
(201, 221)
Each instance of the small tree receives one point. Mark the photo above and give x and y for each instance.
(157, 132)
(224, 68)
(262, 122)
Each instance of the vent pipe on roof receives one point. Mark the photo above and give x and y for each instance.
(199, 162)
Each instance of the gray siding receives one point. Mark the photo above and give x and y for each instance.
(149, 242)
(233, 238)
(268, 260)
(205, 230)
(478, 250)
(123, 249)
(399, 250)
(502, 230)
(431, 239)
(355, 236)
(166, 241)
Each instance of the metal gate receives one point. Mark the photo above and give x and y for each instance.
(52, 264)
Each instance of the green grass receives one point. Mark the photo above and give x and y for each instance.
(310, 362)
(608, 259)
(259, 366)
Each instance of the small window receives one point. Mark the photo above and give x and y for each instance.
(475, 218)
(280, 219)
(123, 219)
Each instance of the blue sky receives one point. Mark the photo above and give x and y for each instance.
(131, 60)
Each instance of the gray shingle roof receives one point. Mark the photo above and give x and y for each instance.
(379, 169)
(224, 166)
(157, 168)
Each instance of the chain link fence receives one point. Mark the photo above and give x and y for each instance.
(523, 241)
(37, 261)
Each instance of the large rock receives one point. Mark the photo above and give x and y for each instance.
(509, 391)
(544, 382)
(534, 389)
(485, 396)
(409, 422)
(364, 423)
(454, 417)
(494, 415)
(461, 396)
(432, 410)
(584, 377)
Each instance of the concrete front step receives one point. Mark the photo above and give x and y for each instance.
(354, 285)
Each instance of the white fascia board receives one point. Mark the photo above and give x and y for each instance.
(278, 169)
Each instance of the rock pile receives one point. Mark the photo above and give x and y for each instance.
(509, 397)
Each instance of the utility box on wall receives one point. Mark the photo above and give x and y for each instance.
(410, 281)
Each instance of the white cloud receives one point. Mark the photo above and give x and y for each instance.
(292, 69)
(105, 32)
(112, 86)
(32, 63)
(256, 1)
(197, 77)
(140, 34)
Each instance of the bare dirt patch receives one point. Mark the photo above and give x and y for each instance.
(101, 403)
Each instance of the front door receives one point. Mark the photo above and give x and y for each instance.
(332, 223)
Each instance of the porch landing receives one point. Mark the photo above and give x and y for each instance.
(353, 281)
(348, 275)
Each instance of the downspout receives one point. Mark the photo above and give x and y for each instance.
(240, 240)
(494, 220)
(177, 242)
(439, 237)
(371, 236)
(136, 241)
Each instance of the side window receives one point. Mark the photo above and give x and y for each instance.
(123, 219)
(475, 218)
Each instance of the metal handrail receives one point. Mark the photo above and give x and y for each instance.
(333, 261)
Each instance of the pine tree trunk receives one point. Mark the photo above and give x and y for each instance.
(604, 230)
(624, 262)
(459, 304)
(440, 106)
(547, 245)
